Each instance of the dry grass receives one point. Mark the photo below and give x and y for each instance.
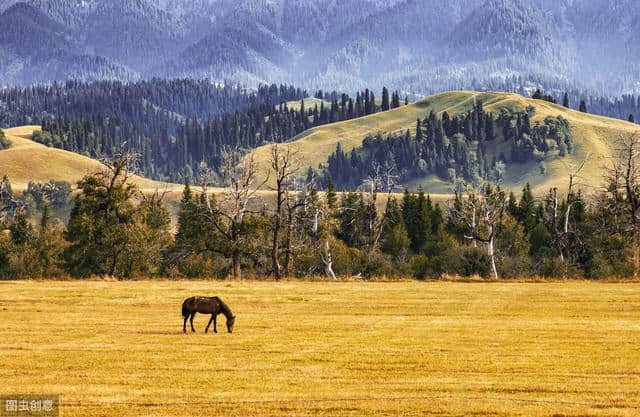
(334, 349)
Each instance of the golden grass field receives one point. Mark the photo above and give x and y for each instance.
(330, 349)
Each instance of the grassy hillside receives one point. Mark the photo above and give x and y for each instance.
(592, 135)
(26, 160)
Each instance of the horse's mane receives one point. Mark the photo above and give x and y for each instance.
(225, 308)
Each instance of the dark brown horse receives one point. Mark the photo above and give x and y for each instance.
(206, 305)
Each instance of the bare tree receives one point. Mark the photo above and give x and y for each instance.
(559, 222)
(328, 262)
(482, 214)
(285, 164)
(241, 186)
(385, 180)
(9, 206)
(623, 180)
(293, 203)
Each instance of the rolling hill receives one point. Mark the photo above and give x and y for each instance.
(592, 135)
(26, 160)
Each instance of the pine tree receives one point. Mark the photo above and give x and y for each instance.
(631, 118)
(385, 99)
(583, 106)
(187, 216)
(423, 221)
(45, 220)
(332, 198)
(99, 227)
(565, 100)
(526, 213)
(20, 229)
(512, 205)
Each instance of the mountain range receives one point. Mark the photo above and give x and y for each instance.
(416, 46)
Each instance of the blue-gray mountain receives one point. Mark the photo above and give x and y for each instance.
(413, 45)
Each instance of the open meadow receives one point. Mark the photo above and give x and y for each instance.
(331, 349)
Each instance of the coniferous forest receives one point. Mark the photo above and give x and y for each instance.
(177, 126)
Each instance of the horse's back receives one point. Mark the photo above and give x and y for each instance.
(206, 305)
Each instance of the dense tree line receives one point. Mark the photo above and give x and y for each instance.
(134, 102)
(453, 148)
(115, 230)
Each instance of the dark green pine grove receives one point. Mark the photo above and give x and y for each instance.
(452, 148)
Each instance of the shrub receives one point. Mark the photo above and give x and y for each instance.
(420, 266)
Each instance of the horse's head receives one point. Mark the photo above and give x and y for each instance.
(230, 322)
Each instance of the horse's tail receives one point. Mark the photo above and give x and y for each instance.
(185, 310)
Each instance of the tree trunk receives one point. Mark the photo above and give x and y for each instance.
(114, 263)
(287, 255)
(473, 227)
(491, 253)
(235, 264)
(328, 263)
(235, 254)
(636, 255)
(275, 249)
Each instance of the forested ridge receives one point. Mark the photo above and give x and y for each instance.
(423, 48)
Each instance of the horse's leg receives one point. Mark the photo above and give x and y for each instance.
(206, 330)
(215, 323)
(184, 326)
(191, 321)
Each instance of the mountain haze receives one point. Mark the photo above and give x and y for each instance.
(416, 46)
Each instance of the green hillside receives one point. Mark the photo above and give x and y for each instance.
(592, 135)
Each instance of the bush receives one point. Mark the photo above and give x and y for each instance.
(5, 244)
(376, 264)
(554, 267)
(420, 266)
(4, 143)
(515, 267)
(466, 261)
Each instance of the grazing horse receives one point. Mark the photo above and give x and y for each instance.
(206, 305)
